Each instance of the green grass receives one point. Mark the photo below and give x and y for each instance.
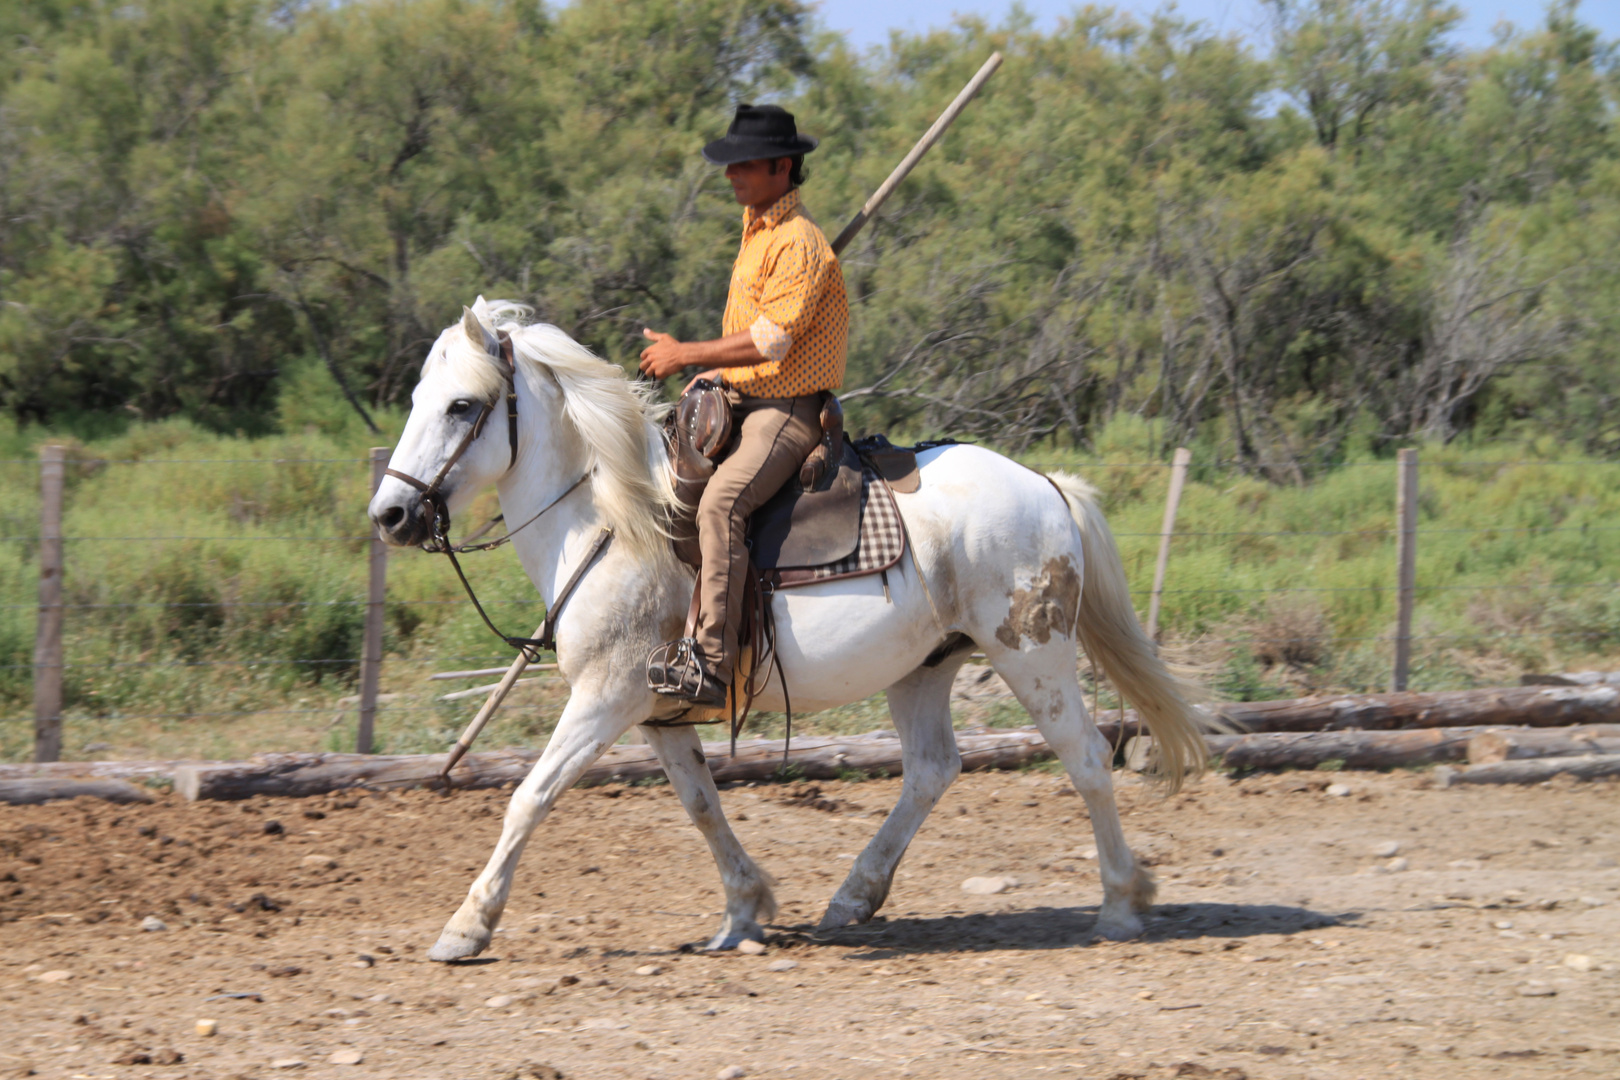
(1511, 561)
(1497, 592)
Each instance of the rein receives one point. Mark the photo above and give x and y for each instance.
(548, 629)
(440, 540)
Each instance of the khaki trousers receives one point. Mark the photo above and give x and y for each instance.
(775, 436)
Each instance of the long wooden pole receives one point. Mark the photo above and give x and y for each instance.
(493, 702)
(48, 634)
(924, 144)
(1178, 478)
(376, 592)
(1406, 510)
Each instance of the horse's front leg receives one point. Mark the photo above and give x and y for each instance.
(749, 900)
(589, 724)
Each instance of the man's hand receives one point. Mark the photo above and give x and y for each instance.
(664, 357)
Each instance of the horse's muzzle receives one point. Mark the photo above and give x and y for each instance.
(404, 524)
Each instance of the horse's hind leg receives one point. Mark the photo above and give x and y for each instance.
(749, 900)
(1045, 682)
(921, 706)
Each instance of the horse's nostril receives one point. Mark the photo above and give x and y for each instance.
(391, 518)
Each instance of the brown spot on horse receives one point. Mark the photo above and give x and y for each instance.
(1047, 606)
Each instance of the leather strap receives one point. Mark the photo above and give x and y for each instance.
(511, 398)
(431, 490)
(548, 628)
(489, 545)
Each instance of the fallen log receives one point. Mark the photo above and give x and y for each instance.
(1531, 706)
(1356, 749)
(39, 789)
(1311, 749)
(301, 774)
(812, 757)
(86, 770)
(1535, 770)
(1518, 744)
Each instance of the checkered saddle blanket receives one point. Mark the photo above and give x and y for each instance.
(881, 544)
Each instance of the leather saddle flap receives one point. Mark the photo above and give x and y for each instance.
(810, 528)
(896, 464)
(898, 467)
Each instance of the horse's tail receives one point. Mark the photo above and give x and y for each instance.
(1115, 641)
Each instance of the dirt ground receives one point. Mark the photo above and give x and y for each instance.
(1288, 942)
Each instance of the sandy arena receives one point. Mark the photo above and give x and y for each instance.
(1397, 931)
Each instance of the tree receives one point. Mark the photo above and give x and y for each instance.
(1346, 61)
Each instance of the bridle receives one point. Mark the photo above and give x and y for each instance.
(430, 490)
(440, 539)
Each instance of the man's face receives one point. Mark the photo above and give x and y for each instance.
(759, 183)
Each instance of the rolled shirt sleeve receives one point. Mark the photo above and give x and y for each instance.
(771, 340)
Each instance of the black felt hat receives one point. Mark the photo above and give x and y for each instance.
(759, 131)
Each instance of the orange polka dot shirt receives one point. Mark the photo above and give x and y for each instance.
(787, 291)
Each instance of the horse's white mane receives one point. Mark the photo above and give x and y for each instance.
(616, 418)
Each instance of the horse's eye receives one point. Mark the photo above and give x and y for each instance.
(457, 408)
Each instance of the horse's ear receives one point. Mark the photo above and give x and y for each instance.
(478, 333)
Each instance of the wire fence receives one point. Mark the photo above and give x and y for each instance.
(1272, 653)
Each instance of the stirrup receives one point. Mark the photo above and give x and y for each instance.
(675, 669)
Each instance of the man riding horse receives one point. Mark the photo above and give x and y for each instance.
(786, 329)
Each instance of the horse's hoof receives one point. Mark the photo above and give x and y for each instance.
(730, 939)
(841, 913)
(454, 945)
(1119, 929)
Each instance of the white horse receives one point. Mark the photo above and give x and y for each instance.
(1000, 559)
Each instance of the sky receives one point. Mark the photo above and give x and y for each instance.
(868, 23)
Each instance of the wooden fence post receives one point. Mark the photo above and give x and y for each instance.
(371, 649)
(1406, 511)
(48, 635)
(1178, 478)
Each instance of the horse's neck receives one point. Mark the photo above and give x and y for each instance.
(551, 548)
(549, 545)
